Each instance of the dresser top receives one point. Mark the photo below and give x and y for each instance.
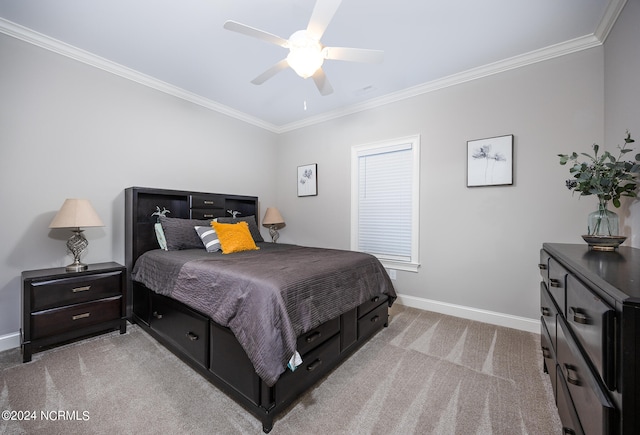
(617, 272)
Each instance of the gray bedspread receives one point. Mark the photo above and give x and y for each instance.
(266, 297)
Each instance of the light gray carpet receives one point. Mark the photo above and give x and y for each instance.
(426, 373)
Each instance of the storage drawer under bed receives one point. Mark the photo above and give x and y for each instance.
(183, 327)
(372, 321)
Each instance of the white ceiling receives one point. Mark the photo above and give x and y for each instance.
(180, 46)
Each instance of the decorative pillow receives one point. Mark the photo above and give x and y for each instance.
(180, 234)
(251, 220)
(234, 237)
(209, 238)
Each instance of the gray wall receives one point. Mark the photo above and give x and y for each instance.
(71, 130)
(478, 246)
(622, 99)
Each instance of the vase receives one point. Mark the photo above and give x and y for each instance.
(602, 222)
(602, 228)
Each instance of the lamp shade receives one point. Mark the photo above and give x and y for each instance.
(273, 217)
(76, 213)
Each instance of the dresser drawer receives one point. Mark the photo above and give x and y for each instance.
(184, 328)
(592, 321)
(595, 409)
(566, 410)
(372, 303)
(557, 284)
(314, 365)
(59, 320)
(68, 291)
(548, 312)
(317, 336)
(207, 201)
(543, 266)
(372, 321)
(549, 356)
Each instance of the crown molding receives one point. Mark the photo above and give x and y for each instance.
(38, 39)
(519, 61)
(611, 14)
(609, 19)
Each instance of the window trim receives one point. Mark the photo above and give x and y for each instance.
(358, 150)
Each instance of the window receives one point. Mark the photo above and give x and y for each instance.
(385, 201)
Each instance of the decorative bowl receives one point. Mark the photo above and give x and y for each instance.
(604, 243)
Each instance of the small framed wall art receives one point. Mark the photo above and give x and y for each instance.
(490, 161)
(308, 180)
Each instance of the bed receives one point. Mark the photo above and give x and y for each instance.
(262, 324)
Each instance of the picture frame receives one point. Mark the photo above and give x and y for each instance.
(490, 161)
(308, 180)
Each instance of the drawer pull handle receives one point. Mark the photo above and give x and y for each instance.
(376, 299)
(580, 317)
(208, 202)
(568, 431)
(542, 266)
(157, 315)
(207, 215)
(312, 337)
(572, 375)
(191, 336)
(545, 311)
(546, 352)
(81, 289)
(375, 318)
(80, 316)
(314, 365)
(554, 282)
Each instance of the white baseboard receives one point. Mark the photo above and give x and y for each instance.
(492, 317)
(9, 341)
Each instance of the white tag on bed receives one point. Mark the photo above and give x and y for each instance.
(295, 361)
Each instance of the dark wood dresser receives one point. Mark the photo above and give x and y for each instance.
(58, 306)
(590, 336)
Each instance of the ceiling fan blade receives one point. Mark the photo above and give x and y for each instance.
(256, 33)
(270, 72)
(322, 83)
(323, 12)
(353, 54)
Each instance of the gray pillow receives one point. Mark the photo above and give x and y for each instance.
(181, 233)
(251, 220)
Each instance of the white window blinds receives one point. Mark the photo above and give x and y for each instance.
(384, 198)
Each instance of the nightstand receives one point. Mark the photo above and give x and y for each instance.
(58, 306)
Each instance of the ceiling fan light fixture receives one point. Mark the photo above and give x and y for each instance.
(305, 54)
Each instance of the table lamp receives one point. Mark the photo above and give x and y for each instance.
(274, 221)
(74, 214)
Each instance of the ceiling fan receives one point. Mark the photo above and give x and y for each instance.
(306, 52)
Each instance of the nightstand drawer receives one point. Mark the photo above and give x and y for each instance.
(59, 320)
(67, 291)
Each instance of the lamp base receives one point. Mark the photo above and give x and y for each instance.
(273, 232)
(76, 266)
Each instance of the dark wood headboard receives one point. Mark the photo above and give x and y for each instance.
(142, 202)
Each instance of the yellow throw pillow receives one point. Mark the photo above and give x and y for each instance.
(234, 237)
